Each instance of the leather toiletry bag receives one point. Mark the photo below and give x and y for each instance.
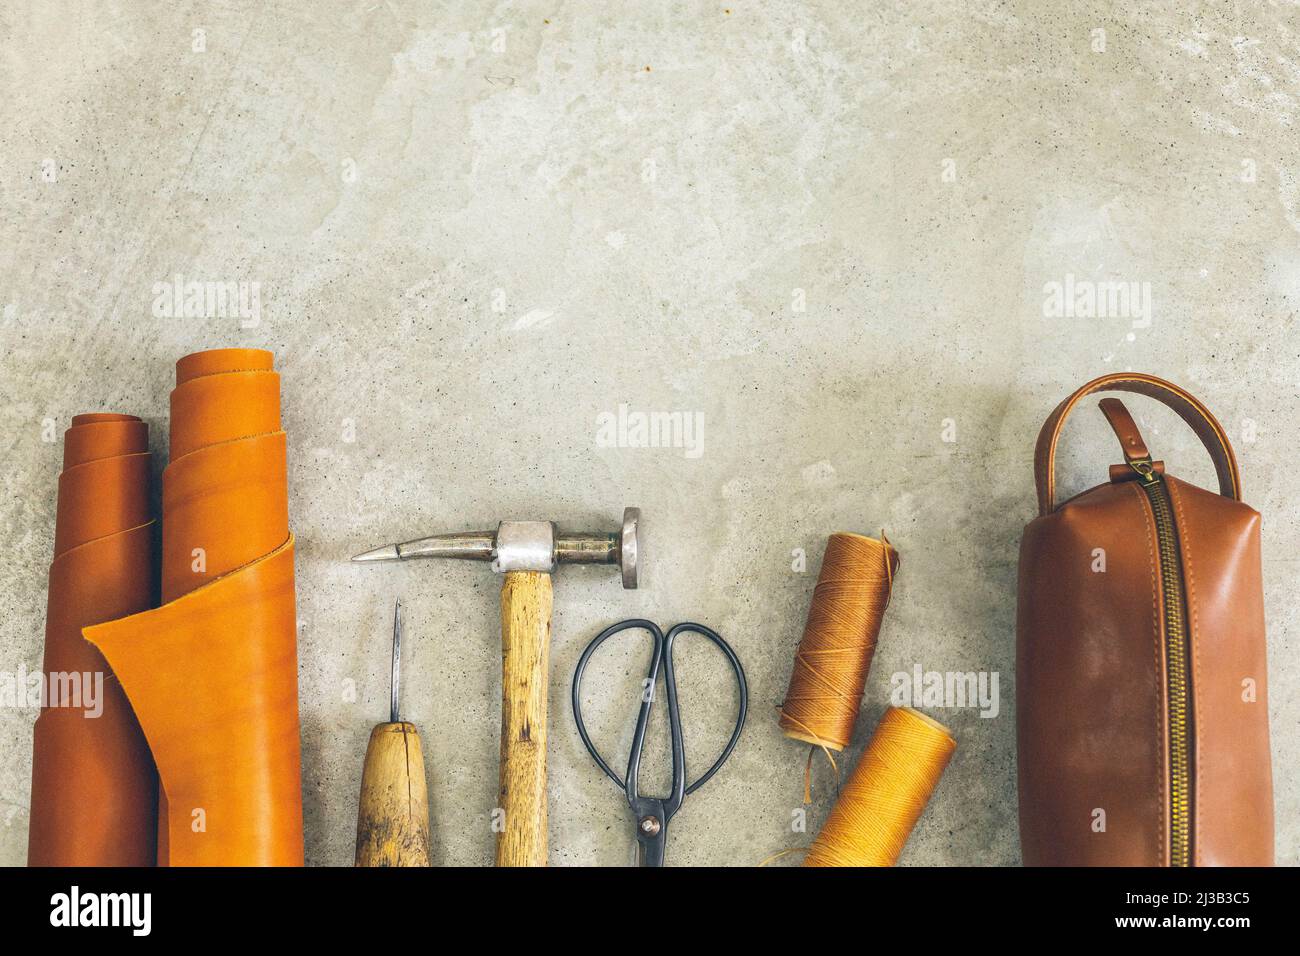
(1141, 686)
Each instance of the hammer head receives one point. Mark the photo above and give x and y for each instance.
(528, 546)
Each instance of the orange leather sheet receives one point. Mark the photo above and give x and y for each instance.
(213, 673)
(94, 788)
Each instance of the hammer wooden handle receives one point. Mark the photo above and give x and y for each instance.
(525, 650)
(393, 815)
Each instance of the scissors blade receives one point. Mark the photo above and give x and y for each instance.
(651, 831)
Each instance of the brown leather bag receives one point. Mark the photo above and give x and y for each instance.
(1142, 705)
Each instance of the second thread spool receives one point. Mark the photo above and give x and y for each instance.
(830, 667)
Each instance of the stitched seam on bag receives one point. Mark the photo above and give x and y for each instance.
(1190, 575)
(1161, 681)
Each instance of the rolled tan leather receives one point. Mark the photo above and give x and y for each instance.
(94, 788)
(213, 673)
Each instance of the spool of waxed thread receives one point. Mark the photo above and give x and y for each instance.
(887, 792)
(839, 638)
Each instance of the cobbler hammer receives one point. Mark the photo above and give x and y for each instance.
(526, 553)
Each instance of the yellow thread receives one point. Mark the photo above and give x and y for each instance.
(887, 792)
(839, 638)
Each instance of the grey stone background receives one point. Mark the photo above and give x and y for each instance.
(478, 227)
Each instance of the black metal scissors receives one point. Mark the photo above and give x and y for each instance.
(652, 814)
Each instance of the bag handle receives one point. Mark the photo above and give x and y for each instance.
(1196, 415)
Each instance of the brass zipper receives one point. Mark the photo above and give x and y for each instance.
(1176, 668)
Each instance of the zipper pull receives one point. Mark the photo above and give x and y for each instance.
(1146, 470)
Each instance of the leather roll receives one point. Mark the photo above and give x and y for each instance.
(213, 673)
(94, 788)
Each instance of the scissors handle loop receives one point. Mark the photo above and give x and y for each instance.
(662, 658)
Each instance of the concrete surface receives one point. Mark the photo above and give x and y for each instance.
(831, 231)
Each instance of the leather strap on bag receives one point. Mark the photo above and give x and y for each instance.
(1126, 430)
(1196, 415)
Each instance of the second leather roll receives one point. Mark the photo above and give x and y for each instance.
(93, 783)
(212, 675)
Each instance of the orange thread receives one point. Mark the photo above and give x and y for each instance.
(886, 793)
(839, 638)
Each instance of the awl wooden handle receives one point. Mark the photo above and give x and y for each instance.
(525, 651)
(393, 816)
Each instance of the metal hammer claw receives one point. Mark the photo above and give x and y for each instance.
(526, 552)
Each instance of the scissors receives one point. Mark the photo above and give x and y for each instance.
(652, 814)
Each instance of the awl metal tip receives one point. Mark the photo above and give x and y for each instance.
(388, 552)
(395, 686)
